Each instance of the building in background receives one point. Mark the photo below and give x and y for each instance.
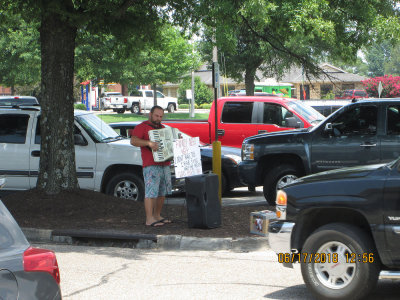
(291, 84)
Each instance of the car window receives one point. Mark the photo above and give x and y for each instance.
(360, 93)
(359, 120)
(159, 95)
(237, 112)
(136, 93)
(275, 114)
(149, 94)
(393, 120)
(13, 128)
(18, 101)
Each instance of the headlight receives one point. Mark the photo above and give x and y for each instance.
(235, 158)
(281, 205)
(248, 152)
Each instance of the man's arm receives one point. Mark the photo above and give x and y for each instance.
(138, 142)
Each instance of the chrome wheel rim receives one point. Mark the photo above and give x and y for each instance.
(135, 109)
(285, 180)
(126, 189)
(335, 274)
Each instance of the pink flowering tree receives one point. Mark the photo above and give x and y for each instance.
(390, 86)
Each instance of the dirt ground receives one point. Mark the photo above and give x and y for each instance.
(83, 209)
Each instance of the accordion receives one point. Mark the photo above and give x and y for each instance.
(164, 137)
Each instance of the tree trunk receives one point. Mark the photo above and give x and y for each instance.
(13, 90)
(249, 76)
(57, 156)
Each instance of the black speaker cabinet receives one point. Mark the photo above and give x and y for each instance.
(203, 206)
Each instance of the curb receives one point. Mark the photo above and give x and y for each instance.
(144, 241)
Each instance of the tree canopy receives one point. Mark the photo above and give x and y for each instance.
(20, 52)
(59, 23)
(283, 33)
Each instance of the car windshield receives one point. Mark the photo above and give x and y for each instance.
(99, 130)
(309, 113)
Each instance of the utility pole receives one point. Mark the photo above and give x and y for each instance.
(216, 162)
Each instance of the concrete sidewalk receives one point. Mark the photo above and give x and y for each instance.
(143, 241)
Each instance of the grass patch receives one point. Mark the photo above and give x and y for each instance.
(112, 118)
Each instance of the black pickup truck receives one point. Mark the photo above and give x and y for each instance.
(361, 133)
(343, 227)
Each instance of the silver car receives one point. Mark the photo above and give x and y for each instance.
(25, 272)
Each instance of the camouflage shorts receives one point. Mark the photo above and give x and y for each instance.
(157, 181)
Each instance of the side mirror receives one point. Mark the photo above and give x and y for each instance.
(328, 128)
(79, 140)
(292, 122)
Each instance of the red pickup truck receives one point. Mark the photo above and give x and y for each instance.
(243, 116)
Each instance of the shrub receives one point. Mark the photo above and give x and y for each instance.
(202, 94)
(80, 106)
(390, 86)
(205, 106)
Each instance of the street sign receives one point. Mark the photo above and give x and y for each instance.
(380, 89)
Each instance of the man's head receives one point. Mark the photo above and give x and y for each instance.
(156, 115)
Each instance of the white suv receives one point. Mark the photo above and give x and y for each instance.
(105, 161)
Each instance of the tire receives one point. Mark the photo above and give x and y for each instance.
(340, 279)
(121, 110)
(127, 186)
(135, 109)
(276, 179)
(225, 184)
(171, 108)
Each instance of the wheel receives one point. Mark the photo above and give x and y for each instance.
(338, 277)
(276, 179)
(135, 109)
(121, 110)
(126, 185)
(171, 108)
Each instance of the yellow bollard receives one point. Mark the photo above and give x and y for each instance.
(216, 166)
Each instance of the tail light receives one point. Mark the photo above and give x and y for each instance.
(41, 260)
(125, 100)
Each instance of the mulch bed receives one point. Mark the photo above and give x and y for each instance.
(84, 209)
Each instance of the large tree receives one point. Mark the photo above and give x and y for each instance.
(60, 22)
(281, 33)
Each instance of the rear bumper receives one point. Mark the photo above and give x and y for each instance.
(124, 106)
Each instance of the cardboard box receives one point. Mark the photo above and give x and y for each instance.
(259, 221)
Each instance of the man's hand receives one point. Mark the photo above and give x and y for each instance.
(153, 146)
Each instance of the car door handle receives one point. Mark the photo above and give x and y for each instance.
(262, 131)
(35, 153)
(221, 132)
(368, 145)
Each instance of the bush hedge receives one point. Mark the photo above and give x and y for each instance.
(80, 106)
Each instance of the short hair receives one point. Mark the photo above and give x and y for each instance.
(155, 107)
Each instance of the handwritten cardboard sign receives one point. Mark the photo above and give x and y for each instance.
(187, 158)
